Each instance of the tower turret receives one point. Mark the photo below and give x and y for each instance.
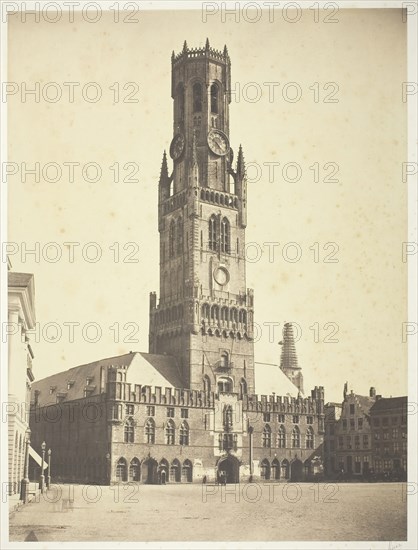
(288, 358)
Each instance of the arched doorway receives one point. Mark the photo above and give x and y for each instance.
(134, 470)
(228, 470)
(187, 471)
(175, 471)
(121, 470)
(285, 468)
(265, 469)
(163, 472)
(296, 470)
(275, 469)
(149, 471)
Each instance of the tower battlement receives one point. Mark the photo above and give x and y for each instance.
(206, 52)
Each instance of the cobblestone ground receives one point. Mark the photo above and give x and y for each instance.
(253, 512)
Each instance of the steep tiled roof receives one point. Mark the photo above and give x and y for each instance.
(388, 403)
(143, 368)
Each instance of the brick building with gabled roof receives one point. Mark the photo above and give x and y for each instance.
(366, 436)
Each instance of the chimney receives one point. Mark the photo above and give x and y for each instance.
(372, 392)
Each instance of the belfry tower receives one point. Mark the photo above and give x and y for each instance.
(204, 317)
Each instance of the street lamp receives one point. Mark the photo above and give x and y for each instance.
(24, 492)
(49, 468)
(43, 447)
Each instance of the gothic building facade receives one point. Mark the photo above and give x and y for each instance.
(188, 410)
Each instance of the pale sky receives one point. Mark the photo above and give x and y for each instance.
(364, 212)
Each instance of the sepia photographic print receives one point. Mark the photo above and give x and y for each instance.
(209, 274)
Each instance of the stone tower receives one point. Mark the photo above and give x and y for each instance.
(288, 358)
(204, 317)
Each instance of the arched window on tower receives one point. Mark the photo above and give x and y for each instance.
(214, 92)
(225, 385)
(213, 230)
(197, 98)
(225, 236)
(172, 238)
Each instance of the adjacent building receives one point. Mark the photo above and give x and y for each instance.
(21, 320)
(389, 436)
(366, 436)
(188, 410)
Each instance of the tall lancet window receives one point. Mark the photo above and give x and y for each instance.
(197, 98)
(212, 232)
(225, 236)
(214, 92)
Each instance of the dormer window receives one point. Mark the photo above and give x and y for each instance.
(89, 380)
(70, 384)
(52, 389)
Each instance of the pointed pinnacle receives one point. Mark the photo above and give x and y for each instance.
(207, 44)
(164, 167)
(185, 46)
(240, 163)
(225, 51)
(173, 55)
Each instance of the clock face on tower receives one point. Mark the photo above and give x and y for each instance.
(177, 146)
(218, 143)
(221, 276)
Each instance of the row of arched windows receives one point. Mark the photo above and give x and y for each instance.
(219, 234)
(174, 472)
(215, 314)
(295, 437)
(169, 432)
(175, 237)
(275, 470)
(218, 198)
